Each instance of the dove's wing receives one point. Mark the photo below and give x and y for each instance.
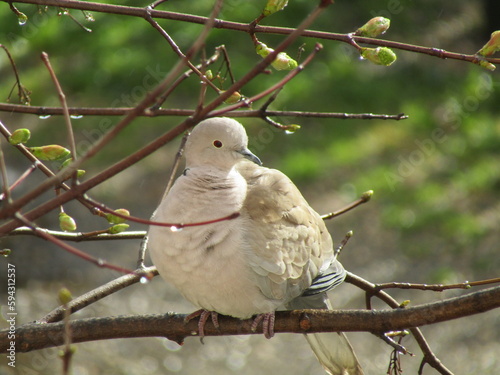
(289, 242)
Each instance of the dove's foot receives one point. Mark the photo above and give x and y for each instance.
(203, 317)
(267, 320)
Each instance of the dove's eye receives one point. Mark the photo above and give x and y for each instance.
(217, 143)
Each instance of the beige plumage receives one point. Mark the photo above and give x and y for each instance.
(266, 258)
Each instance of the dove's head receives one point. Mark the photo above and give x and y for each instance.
(220, 141)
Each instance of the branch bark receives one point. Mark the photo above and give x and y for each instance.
(121, 111)
(249, 28)
(35, 336)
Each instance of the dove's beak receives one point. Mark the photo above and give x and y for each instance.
(247, 154)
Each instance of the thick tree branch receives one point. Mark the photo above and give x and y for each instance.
(35, 336)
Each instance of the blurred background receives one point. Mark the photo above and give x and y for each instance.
(434, 216)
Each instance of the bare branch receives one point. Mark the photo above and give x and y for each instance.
(365, 197)
(64, 104)
(99, 293)
(251, 28)
(155, 112)
(73, 250)
(38, 336)
(79, 236)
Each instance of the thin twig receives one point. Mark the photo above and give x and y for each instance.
(64, 105)
(5, 180)
(46, 171)
(437, 287)
(173, 226)
(22, 93)
(155, 112)
(344, 241)
(79, 236)
(73, 250)
(99, 293)
(111, 134)
(131, 159)
(371, 291)
(273, 88)
(20, 179)
(175, 166)
(68, 353)
(257, 69)
(365, 197)
(99, 145)
(177, 50)
(248, 28)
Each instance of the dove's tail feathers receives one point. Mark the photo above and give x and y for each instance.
(335, 353)
(332, 349)
(326, 280)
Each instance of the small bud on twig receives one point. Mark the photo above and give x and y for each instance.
(118, 228)
(263, 50)
(380, 55)
(486, 64)
(66, 222)
(274, 6)
(367, 195)
(492, 46)
(234, 98)
(19, 136)
(112, 219)
(49, 152)
(282, 60)
(373, 28)
(64, 296)
(292, 128)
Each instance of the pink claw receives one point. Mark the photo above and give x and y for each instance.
(203, 315)
(267, 320)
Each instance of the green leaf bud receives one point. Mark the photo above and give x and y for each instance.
(263, 50)
(367, 195)
(373, 28)
(380, 55)
(64, 296)
(405, 303)
(486, 64)
(234, 98)
(19, 136)
(118, 228)
(290, 129)
(492, 46)
(284, 62)
(274, 6)
(66, 222)
(112, 219)
(50, 152)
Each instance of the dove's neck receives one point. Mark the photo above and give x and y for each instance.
(211, 193)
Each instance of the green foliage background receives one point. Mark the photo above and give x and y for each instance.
(435, 214)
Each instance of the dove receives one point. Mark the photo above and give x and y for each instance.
(277, 253)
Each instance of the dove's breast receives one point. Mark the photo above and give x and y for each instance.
(208, 263)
